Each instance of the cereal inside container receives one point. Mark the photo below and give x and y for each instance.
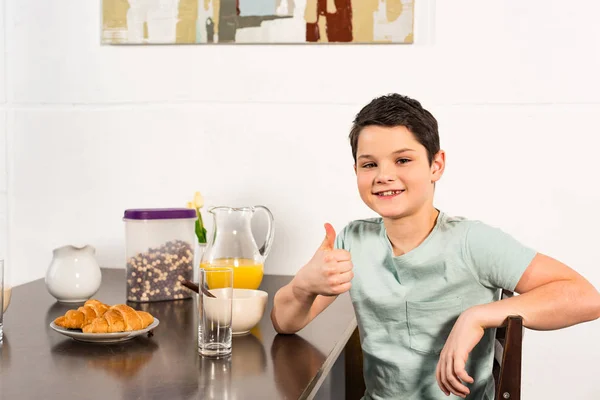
(160, 253)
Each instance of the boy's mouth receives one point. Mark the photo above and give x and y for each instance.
(388, 193)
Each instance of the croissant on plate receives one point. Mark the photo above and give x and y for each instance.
(77, 319)
(119, 318)
(97, 317)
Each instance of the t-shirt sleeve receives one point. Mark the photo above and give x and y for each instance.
(340, 241)
(497, 259)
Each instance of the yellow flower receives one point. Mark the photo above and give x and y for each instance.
(197, 204)
(198, 200)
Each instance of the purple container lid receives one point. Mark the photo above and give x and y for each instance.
(159, 213)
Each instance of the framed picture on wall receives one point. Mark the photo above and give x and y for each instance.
(257, 21)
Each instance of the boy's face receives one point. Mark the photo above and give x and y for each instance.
(393, 173)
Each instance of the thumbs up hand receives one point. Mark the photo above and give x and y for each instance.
(329, 272)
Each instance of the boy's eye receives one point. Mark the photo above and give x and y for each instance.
(368, 165)
(402, 160)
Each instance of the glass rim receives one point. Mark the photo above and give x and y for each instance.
(217, 269)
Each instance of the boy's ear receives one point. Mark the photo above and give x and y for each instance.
(438, 165)
(354, 169)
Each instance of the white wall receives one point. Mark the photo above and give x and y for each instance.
(3, 108)
(93, 130)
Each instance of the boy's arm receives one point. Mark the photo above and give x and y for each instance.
(552, 296)
(314, 287)
(292, 311)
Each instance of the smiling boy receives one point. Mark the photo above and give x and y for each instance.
(425, 285)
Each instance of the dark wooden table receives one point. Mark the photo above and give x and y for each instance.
(39, 363)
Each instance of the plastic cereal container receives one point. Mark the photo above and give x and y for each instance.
(160, 253)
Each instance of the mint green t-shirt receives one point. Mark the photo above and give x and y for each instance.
(406, 306)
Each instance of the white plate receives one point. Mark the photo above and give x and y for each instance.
(103, 337)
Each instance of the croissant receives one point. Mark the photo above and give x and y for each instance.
(76, 319)
(119, 318)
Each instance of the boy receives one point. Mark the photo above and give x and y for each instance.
(425, 286)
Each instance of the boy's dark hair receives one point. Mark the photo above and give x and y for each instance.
(397, 110)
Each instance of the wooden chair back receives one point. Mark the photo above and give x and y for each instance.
(507, 357)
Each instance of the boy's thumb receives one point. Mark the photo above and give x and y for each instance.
(329, 240)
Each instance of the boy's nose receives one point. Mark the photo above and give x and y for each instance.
(385, 175)
(385, 179)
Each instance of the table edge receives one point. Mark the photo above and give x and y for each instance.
(315, 384)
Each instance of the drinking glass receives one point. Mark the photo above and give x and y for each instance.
(1, 298)
(214, 313)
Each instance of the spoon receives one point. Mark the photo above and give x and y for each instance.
(194, 287)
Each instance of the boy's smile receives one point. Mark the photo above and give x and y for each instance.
(393, 173)
(388, 194)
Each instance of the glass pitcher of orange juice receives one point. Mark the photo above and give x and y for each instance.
(231, 244)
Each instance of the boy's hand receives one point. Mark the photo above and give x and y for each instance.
(450, 372)
(329, 272)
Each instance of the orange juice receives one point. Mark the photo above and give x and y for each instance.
(247, 274)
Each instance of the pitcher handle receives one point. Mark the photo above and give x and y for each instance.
(266, 247)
